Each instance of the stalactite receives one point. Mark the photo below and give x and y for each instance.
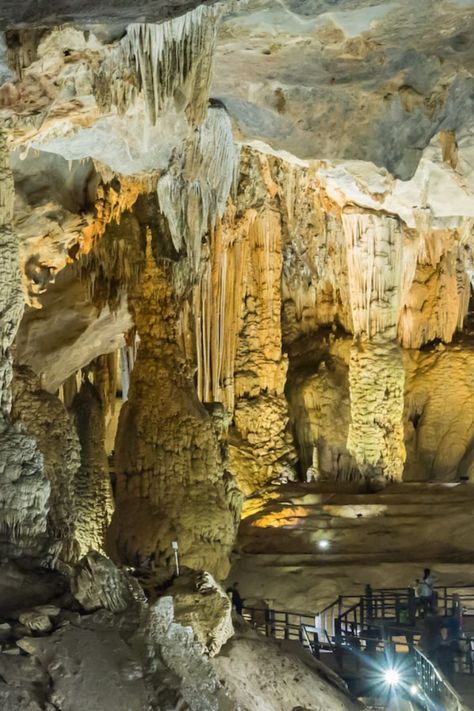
(115, 263)
(217, 310)
(113, 199)
(235, 313)
(193, 193)
(436, 303)
(167, 62)
(374, 254)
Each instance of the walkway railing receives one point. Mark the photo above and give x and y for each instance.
(433, 686)
(375, 626)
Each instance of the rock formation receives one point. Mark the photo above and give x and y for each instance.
(236, 254)
(171, 482)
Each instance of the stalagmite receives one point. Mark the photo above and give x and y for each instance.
(47, 421)
(11, 299)
(93, 493)
(171, 483)
(376, 436)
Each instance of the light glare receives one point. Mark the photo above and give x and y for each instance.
(324, 544)
(392, 677)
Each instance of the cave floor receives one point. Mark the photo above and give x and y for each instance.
(384, 538)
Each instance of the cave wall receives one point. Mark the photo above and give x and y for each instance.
(24, 507)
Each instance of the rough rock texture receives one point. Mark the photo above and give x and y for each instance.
(46, 13)
(24, 506)
(435, 431)
(171, 483)
(138, 657)
(264, 248)
(206, 608)
(93, 491)
(349, 79)
(26, 587)
(277, 314)
(47, 421)
(256, 670)
(376, 379)
(97, 583)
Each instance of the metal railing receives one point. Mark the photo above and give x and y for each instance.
(352, 634)
(432, 686)
(281, 624)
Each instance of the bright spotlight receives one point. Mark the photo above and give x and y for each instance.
(323, 544)
(414, 690)
(392, 677)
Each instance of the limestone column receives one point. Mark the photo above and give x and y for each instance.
(374, 245)
(261, 445)
(93, 491)
(236, 312)
(171, 484)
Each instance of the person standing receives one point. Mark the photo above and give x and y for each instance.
(445, 653)
(426, 591)
(237, 601)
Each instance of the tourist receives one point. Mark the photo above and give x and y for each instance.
(445, 653)
(417, 591)
(426, 591)
(237, 601)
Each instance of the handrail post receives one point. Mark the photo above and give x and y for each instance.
(411, 606)
(267, 622)
(316, 645)
(287, 629)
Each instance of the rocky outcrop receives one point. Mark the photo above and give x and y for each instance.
(97, 583)
(24, 507)
(47, 421)
(200, 602)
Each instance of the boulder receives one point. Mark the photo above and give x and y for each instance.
(201, 603)
(36, 621)
(97, 583)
